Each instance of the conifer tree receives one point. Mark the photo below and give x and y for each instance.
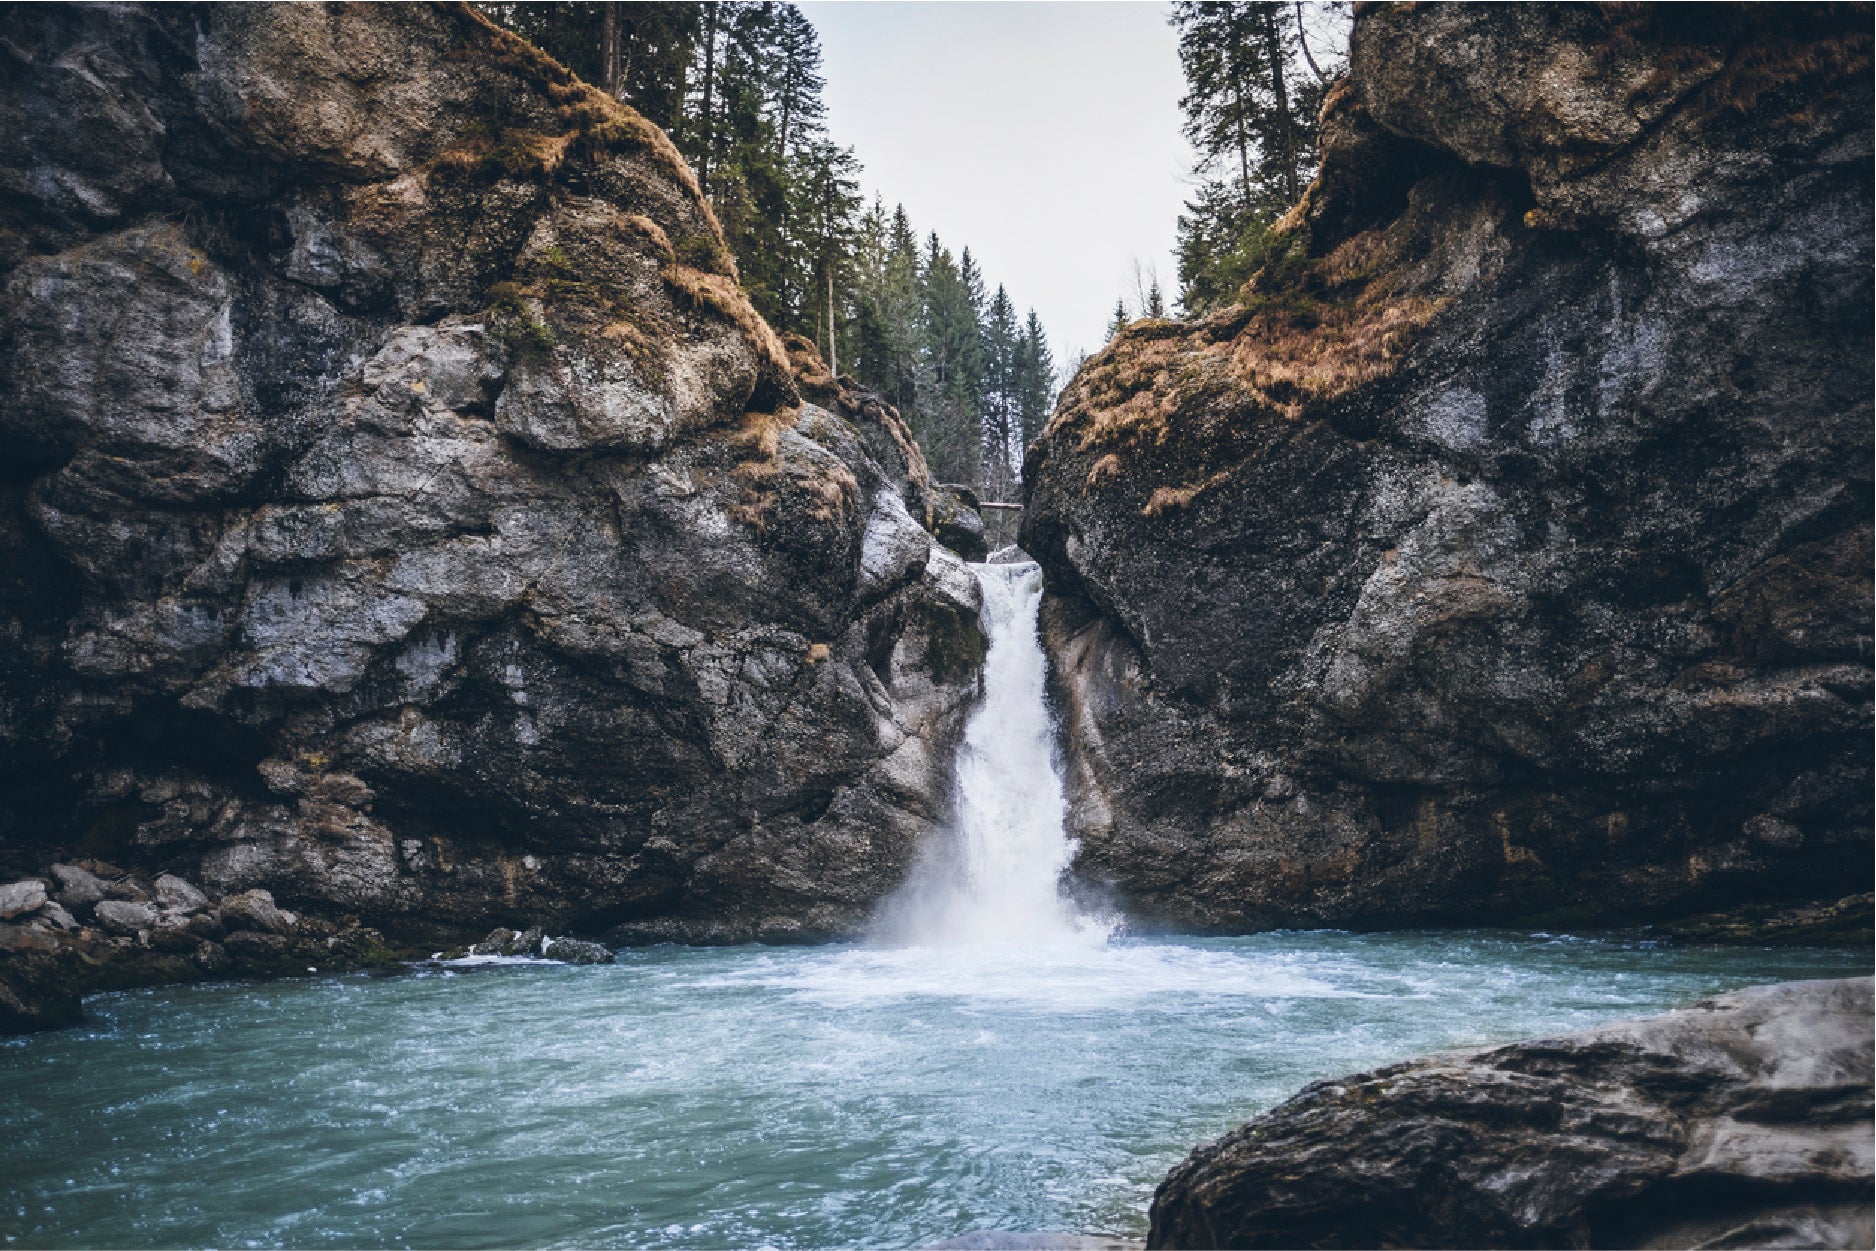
(1035, 380)
(1119, 320)
(1250, 112)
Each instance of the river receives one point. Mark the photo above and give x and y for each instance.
(990, 1059)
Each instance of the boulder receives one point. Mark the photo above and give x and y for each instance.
(52, 911)
(19, 898)
(956, 521)
(121, 916)
(37, 992)
(506, 942)
(179, 895)
(78, 887)
(577, 951)
(255, 910)
(1744, 1120)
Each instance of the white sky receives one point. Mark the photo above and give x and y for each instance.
(1044, 136)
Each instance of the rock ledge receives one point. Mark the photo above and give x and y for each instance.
(1741, 1121)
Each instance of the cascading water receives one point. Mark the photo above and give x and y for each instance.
(998, 878)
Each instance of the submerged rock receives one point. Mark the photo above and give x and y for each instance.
(577, 951)
(1742, 1121)
(1505, 550)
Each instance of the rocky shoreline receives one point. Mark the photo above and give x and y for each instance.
(91, 926)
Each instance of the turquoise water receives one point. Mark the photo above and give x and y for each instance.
(787, 1097)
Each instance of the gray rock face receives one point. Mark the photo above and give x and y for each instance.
(1506, 551)
(404, 512)
(1742, 1121)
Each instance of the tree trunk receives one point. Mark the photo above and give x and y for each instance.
(1280, 90)
(709, 95)
(610, 59)
(1237, 112)
(1302, 41)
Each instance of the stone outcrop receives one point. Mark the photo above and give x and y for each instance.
(404, 514)
(1505, 550)
(1744, 1121)
(107, 928)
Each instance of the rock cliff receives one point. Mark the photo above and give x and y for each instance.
(1505, 550)
(1744, 1121)
(403, 510)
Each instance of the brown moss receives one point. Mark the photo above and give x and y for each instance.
(829, 490)
(1747, 58)
(719, 296)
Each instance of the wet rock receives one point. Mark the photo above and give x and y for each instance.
(257, 953)
(119, 916)
(1850, 921)
(78, 887)
(37, 992)
(178, 895)
(1742, 1121)
(1504, 552)
(506, 942)
(577, 951)
(19, 898)
(212, 957)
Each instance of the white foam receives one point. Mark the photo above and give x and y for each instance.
(997, 878)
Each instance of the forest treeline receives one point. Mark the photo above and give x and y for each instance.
(738, 85)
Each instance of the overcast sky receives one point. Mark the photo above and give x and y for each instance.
(1044, 136)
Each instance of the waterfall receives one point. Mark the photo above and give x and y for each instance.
(996, 877)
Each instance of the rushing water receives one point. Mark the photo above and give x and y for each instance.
(991, 1060)
(996, 881)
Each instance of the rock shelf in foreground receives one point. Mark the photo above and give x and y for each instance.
(1744, 1120)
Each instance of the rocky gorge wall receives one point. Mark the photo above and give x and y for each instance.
(404, 512)
(1504, 552)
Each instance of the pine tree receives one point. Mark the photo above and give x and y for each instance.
(1035, 381)
(1250, 110)
(1120, 319)
(1001, 403)
(951, 387)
